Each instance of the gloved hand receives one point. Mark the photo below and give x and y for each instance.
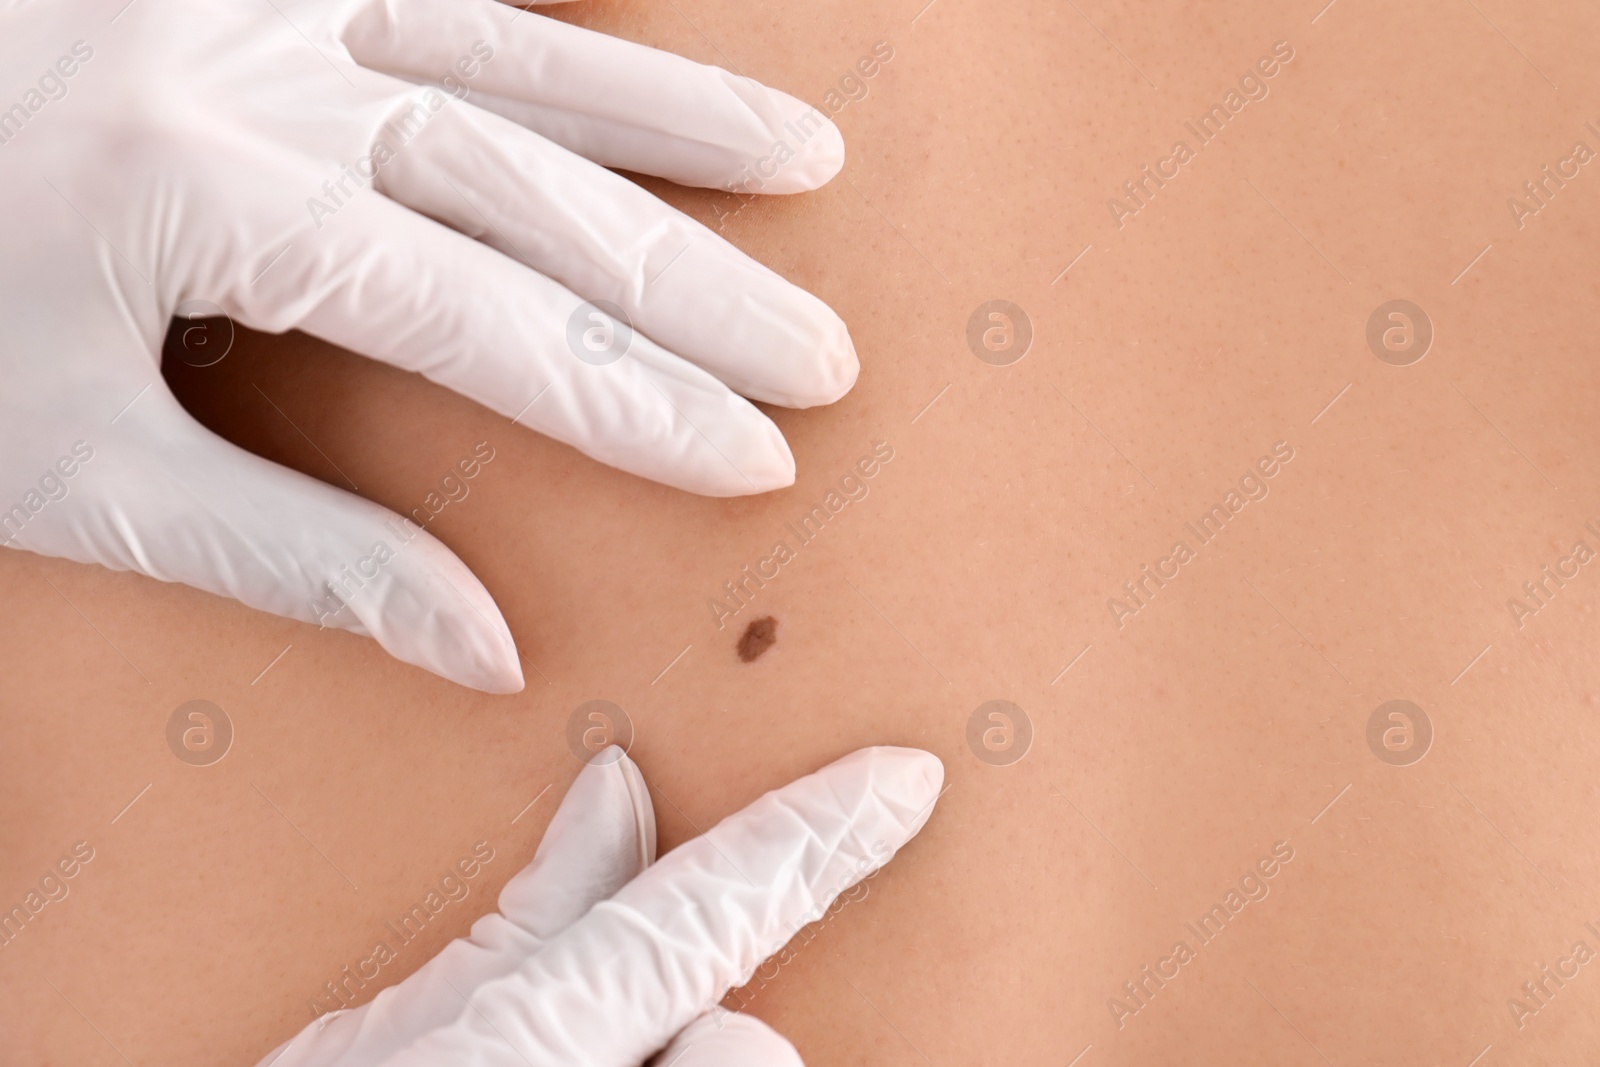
(597, 958)
(294, 164)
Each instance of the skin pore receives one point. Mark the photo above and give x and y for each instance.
(1201, 767)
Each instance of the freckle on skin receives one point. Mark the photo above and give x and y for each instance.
(759, 636)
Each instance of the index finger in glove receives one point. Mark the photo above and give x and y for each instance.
(616, 102)
(616, 985)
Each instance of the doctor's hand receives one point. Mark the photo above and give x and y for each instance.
(600, 958)
(420, 181)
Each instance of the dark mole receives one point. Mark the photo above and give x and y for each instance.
(759, 636)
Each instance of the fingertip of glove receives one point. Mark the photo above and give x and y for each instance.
(768, 463)
(494, 667)
(614, 760)
(920, 773)
(813, 148)
(815, 361)
(818, 157)
(503, 678)
(724, 1039)
(782, 474)
(488, 670)
(644, 812)
(427, 608)
(838, 366)
(907, 780)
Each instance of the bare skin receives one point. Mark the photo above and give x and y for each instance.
(1177, 740)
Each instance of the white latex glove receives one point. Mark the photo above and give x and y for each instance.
(597, 958)
(290, 162)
